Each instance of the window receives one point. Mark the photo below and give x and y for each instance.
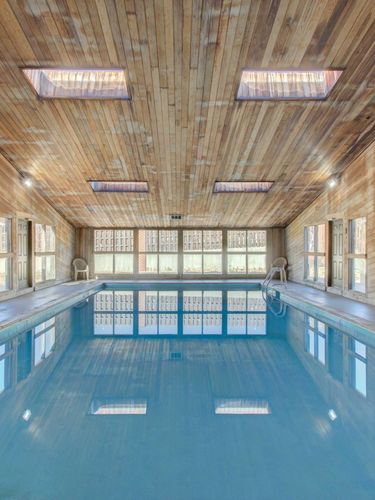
(158, 251)
(158, 312)
(113, 251)
(358, 366)
(5, 366)
(286, 84)
(315, 260)
(5, 254)
(113, 313)
(44, 340)
(247, 252)
(315, 338)
(202, 312)
(357, 255)
(202, 251)
(85, 83)
(45, 248)
(246, 313)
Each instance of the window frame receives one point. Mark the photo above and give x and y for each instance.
(246, 252)
(8, 255)
(49, 253)
(203, 252)
(114, 252)
(158, 253)
(316, 254)
(352, 256)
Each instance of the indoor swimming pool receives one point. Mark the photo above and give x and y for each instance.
(186, 391)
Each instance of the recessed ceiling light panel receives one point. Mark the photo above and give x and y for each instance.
(286, 84)
(242, 186)
(76, 83)
(242, 407)
(118, 406)
(119, 186)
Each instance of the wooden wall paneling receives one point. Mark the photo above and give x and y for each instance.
(353, 197)
(18, 201)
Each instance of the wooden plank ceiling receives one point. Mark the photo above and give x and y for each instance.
(183, 130)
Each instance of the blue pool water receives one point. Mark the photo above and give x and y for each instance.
(186, 392)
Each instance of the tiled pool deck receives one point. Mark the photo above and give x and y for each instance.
(17, 314)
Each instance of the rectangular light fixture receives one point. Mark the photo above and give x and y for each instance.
(282, 85)
(242, 186)
(78, 83)
(242, 407)
(118, 406)
(119, 186)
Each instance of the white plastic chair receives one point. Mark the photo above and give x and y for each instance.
(80, 266)
(278, 266)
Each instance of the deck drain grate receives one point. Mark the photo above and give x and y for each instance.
(175, 356)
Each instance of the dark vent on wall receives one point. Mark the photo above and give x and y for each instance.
(175, 356)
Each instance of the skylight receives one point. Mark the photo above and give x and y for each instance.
(242, 407)
(117, 406)
(119, 186)
(286, 84)
(72, 83)
(242, 187)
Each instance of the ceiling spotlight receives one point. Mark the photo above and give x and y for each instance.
(27, 182)
(332, 182)
(26, 415)
(332, 415)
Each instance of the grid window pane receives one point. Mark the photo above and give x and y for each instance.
(321, 269)
(358, 236)
(148, 263)
(123, 301)
(103, 263)
(5, 231)
(212, 324)
(237, 263)
(310, 239)
(168, 241)
(39, 268)
(256, 263)
(5, 373)
(310, 267)
(50, 267)
(103, 240)
(50, 239)
(212, 300)
(193, 263)
(236, 324)
(237, 241)
(212, 241)
(256, 241)
(192, 300)
(168, 263)
(148, 240)
(357, 270)
(40, 238)
(124, 240)
(321, 238)
(237, 300)
(4, 273)
(168, 300)
(124, 263)
(212, 264)
(123, 324)
(192, 241)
